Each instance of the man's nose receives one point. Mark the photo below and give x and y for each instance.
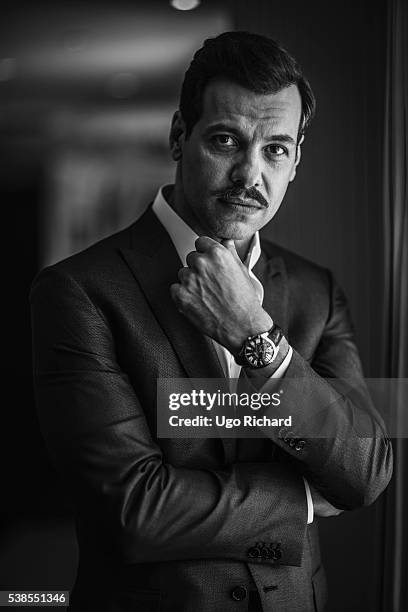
(246, 170)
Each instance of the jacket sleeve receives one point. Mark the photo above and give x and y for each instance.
(337, 439)
(140, 507)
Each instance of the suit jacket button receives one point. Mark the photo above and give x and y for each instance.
(238, 593)
(254, 552)
(300, 445)
(277, 552)
(264, 552)
(288, 436)
(274, 552)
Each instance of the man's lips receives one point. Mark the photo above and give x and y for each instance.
(239, 202)
(247, 198)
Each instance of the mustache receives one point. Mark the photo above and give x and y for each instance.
(242, 193)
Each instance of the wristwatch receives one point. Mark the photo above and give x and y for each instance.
(260, 350)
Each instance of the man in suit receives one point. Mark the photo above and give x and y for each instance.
(188, 291)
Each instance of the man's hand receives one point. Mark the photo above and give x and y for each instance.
(215, 292)
(321, 507)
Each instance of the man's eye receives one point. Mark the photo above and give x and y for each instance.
(224, 140)
(277, 151)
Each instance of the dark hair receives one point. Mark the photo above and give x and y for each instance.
(253, 61)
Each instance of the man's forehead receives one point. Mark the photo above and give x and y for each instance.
(227, 101)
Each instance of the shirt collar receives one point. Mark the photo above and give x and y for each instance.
(183, 237)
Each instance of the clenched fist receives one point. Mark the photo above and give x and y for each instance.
(216, 293)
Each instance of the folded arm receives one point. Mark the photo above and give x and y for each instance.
(337, 439)
(96, 430)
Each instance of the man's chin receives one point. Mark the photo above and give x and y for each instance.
(234, 231)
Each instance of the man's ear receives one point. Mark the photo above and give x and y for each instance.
(177, 136)
(298, 156)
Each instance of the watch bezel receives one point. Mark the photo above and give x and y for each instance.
(247, 355)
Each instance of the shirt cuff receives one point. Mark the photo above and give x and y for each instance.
(310, 510)
(279, 372)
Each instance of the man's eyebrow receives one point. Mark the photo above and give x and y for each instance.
(282, 138)
(286, 138)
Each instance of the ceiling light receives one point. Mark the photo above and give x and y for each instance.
(185, 5)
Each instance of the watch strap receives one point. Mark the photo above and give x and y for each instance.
(275, 334)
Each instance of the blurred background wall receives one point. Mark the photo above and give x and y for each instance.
(87, 91)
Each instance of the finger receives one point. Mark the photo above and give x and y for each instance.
(204, 243)
(184, 275)
(194, 260)
(177, 292)
(174, 292)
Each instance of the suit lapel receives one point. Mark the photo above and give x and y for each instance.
(154, 262)
(271, 271)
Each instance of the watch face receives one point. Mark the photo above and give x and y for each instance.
(260, 352)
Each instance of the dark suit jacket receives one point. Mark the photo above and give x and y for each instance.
(177, 524)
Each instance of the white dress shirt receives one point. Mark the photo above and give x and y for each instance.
(183, 238)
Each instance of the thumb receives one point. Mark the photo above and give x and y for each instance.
(230, 245)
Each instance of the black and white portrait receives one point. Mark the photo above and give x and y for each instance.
(206, 280)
